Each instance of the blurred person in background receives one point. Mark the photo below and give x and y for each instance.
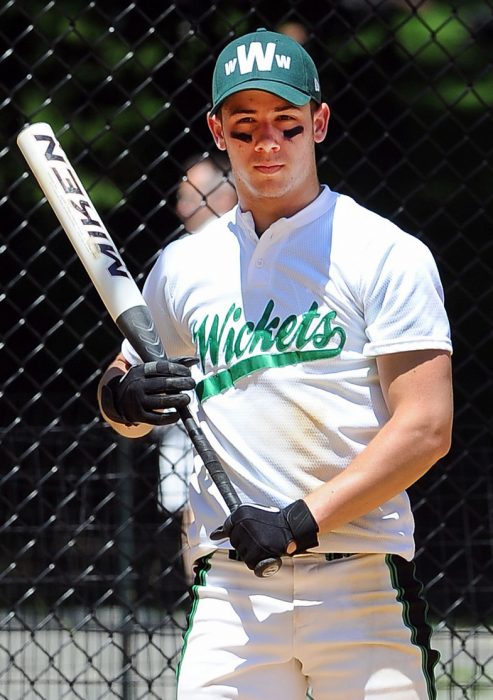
(205, 192)
(296, 30)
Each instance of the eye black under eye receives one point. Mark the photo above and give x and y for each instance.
(246, 138)
(291, 133)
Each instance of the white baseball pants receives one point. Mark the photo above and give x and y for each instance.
(349, 629)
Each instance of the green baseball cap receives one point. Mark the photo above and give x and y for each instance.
(269, 61)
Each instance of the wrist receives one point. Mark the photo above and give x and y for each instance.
(109, 402)
(303, 526)
(128, 430)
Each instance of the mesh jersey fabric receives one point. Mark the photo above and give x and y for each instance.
(288, 327)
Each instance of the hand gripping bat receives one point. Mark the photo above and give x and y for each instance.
(116, 287)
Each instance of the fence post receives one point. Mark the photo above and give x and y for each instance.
(126, 549)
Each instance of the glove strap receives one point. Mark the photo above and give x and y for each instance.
(303, 525)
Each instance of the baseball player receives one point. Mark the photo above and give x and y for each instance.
(314, 334)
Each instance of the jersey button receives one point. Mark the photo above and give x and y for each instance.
(259, 262)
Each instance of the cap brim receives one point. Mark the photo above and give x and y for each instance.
(287, 92)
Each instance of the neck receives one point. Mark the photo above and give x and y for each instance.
(265, 211)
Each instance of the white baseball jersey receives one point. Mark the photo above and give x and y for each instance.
(287, 328)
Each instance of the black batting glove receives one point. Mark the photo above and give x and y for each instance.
(259, 532)
(140, 395)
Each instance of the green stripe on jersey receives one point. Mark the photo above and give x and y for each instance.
(225, 379)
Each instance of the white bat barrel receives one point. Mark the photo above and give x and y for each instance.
(80, 220)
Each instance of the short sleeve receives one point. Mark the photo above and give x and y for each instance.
(403, 302)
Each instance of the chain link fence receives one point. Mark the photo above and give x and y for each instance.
(93, 588)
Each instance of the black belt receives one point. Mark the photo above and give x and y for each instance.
(333, 556)
(338, 555)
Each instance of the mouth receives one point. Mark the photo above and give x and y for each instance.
(268, 169)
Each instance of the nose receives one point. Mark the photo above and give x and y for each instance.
(267, 139)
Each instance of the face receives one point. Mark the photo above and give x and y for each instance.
(271, 146)
(203, 195)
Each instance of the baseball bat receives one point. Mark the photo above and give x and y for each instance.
(118, 290)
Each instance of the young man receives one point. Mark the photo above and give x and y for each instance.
(324, 384)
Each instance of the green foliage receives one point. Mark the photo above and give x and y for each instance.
(107, 76)
(443, 42)
(433, 35)
(437, 40)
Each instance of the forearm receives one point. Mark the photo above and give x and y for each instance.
(395, 459)
(417, 388)
(119, 367)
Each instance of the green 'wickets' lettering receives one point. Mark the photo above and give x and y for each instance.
(239, 341)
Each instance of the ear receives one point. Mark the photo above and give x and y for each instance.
(321, 118)
(216, 128)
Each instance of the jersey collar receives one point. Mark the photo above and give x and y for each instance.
(304, 217)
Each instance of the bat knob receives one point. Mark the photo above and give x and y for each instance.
(268, 567)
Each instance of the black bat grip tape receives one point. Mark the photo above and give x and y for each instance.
(266, 567)
(211, 462)
(137, 325)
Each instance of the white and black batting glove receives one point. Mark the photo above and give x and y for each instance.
(140, 395)
(260, 532)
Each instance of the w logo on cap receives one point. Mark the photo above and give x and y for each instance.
(256, 57)
(268, 61)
